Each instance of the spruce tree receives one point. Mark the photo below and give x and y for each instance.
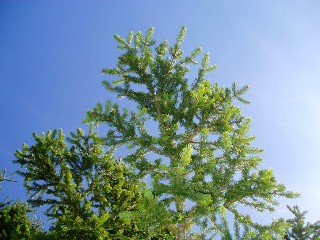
(200, 164)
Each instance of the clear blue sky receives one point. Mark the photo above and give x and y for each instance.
(51, 54)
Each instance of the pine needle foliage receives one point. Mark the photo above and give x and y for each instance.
(205, 165)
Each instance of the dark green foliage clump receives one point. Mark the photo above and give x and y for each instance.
(15, 224)
(299, 229)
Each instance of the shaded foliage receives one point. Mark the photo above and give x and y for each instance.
(15, 223)
(299, 229)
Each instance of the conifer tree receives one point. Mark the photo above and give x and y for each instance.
(200, 162)
(299, 229)
(83, 186)
(15, 222)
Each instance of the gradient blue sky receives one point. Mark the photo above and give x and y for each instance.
(51, 54)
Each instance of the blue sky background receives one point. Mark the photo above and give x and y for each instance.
(52, 53)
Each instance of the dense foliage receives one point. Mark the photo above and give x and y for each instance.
(84, 187)
(188, 167)
(200, 161)
(15, 223)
